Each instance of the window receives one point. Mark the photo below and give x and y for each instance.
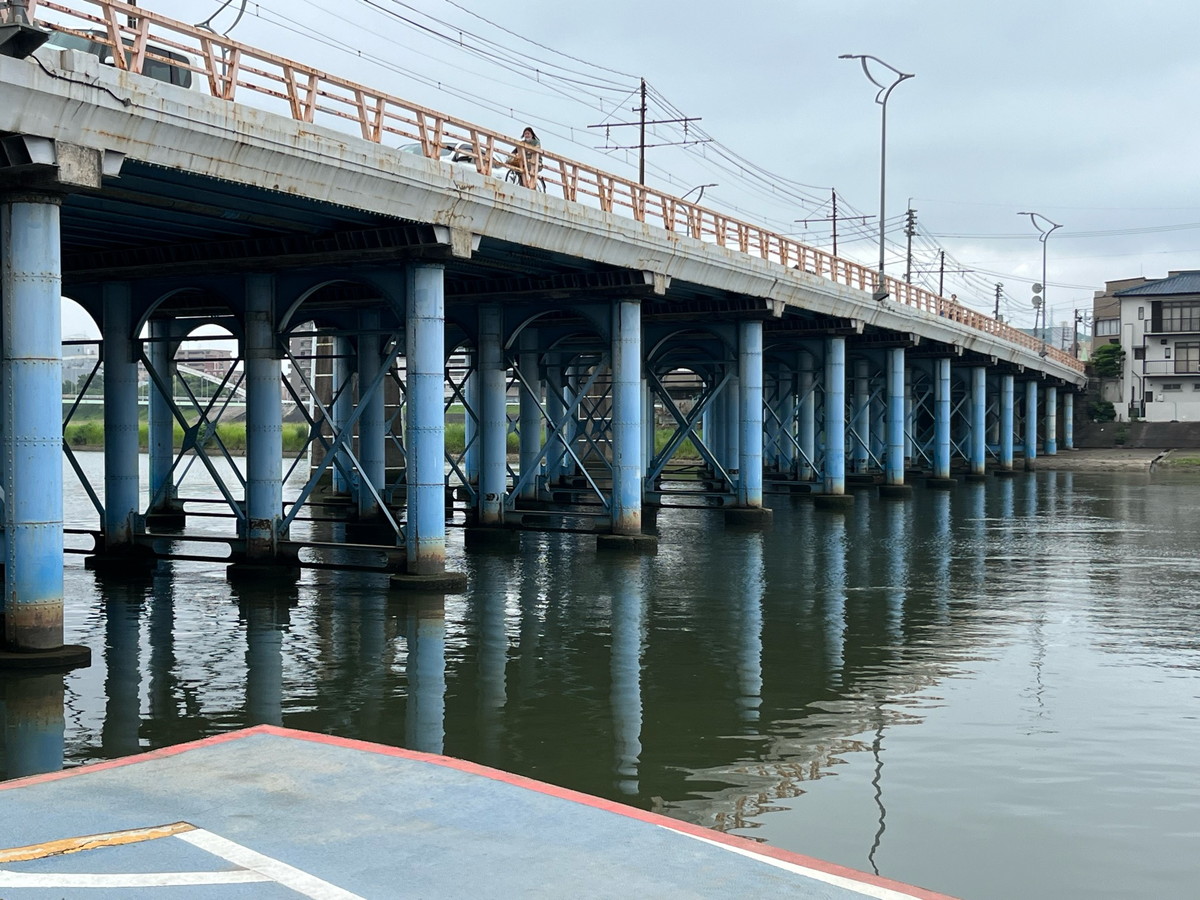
(1181, 315)
(1105, 327)
(1187, 357)
(1141, 313)
(1174, 386)
(1139, 352)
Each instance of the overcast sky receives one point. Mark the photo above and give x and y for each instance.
(1082, 110)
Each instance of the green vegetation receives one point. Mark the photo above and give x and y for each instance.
(1181, 462)
(1108, 360)
(1102, 411)
(89, 435)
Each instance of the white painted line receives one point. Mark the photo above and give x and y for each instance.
(866, 890)
(128, 880)
(288, 876)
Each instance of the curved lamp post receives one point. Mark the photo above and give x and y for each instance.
(885, 90)
(1043, 233)
(700, 188)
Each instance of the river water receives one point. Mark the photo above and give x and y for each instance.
(992, 692)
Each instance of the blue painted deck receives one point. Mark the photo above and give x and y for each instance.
(269, 812)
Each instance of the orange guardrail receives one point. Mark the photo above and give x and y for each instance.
(230, 70)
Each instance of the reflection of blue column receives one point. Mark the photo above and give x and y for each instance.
(343, 402)
(941, 418)
(161, 425)
(424, 725)
(493, 417)
(628, 627)
(426, 378)
(750, 623)
(264, 421)
(121, 489)
(1051, 405)
(895, 417)
(372, 435)
(835, 415)
(1069, 420)
(1031, 421)
(627, 417)
(835, 597)
(264, 663)
(940, 546)
(750, 403)
(897, 548)
(530, 423)
(491, 599)
(32, 724)
(119, 735)
(1006, 423)
(806, 417)
(861, 422)
(978, 420)
(31, 382)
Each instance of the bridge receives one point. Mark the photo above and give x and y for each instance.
(190, 180)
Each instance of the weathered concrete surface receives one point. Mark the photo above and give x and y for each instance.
(1103, 460)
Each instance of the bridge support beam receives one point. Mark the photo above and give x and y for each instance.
(806, 417)
(860, 423)
(121, 488)
(834, 494)
(264, 423)
(530, 414)
(372, 429)
(1050, 441)
(342, 408)
(1031, 424)
(941, 425)
(627, 425)
(749, 509)
(1068, 420)
(165, 510)
(893, 484)
(425, 351)
(978, 429)
(493, 417)
(31, 425)
(556, 407)
(1006, 425)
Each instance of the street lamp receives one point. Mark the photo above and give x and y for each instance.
(1043, 233)
(885, 90)
(700, 188)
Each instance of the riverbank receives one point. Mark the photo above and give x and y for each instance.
(1120, 459)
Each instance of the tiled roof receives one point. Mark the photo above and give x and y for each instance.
(1179, 283)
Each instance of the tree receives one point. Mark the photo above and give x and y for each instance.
(1108, 360)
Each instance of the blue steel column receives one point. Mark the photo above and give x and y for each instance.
(1050, 442)
(941, 422)
(1006, 423)
(835, 418)
(341, 409)
(806, 416)
(493, 417)
(161, 427)
(784, 451)
(627, 418)
(750, 415)
(978, 421)
(530, 415)
(372, 435)
(893, 484)
(470, 428)
(121, 489)
(861, 422)
(425, 373)
(1068, 420)
(31, 383)
(555, 409)
(264, 422)
(732, 426)
(1031, 422)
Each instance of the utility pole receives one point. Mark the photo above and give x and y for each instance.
(941, 270)
(833, 219)
(999, 292)
(1075, 336)
(910, 227)
(641, 124)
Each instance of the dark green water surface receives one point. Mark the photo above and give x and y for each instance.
(991, 692)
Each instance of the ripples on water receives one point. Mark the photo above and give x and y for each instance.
(990, 692)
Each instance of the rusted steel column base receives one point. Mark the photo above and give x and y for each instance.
(748, 517)
(439, 583)
(134, 560)
(68, 656)
(895, 491)
(627, 543)
(244, 571)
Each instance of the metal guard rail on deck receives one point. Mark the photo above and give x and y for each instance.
(226, 66)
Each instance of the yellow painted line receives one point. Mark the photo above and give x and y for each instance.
(91, 842)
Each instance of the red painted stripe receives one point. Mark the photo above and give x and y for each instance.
(520, 781)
